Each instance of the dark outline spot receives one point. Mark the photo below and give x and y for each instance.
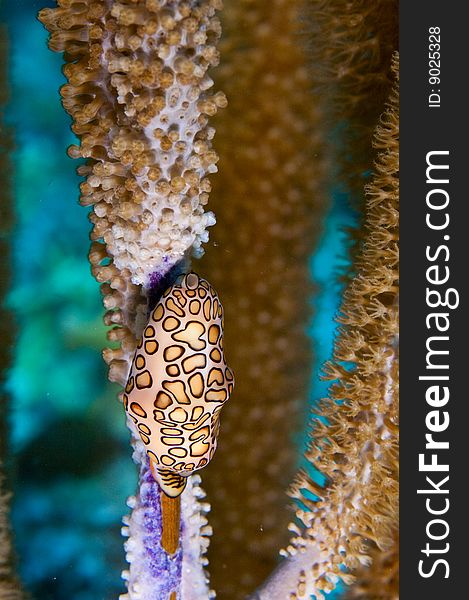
(196, 384)
(138, 410)
(147, 345)
(140, 376)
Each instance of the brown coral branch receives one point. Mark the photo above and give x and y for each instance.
(351, 47)
(137, 94)
(270, 201)
(355, 443)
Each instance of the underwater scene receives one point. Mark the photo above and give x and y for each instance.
(231, 236)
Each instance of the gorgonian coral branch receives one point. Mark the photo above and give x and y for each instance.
(138, 96)
(270, 201)
(351, 46)
(153, 575)
(355, 443)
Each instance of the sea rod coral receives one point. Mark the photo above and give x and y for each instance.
(270, 201)
(350, 45)
(355, 443)
(138, 94)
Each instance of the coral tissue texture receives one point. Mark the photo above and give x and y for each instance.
(153, 574)
(269, 203)
(138, 96)
(355, 443)
(380, 579)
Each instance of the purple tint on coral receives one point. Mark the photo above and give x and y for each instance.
(155, 279)
(165, 569)
(160, 281)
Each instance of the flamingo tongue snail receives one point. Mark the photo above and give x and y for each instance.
(179, 382)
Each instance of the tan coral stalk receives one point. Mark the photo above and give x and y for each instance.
(269, 202)
(355, 443)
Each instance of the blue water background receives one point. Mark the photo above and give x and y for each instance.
(68, 434)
